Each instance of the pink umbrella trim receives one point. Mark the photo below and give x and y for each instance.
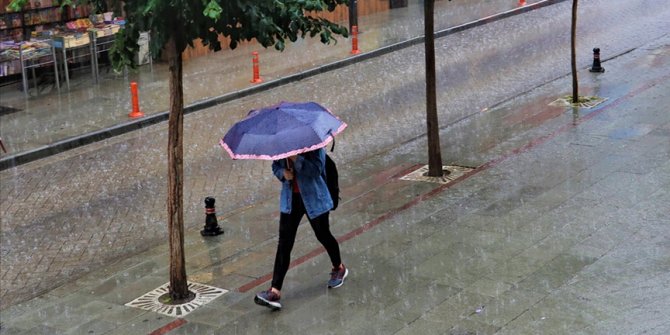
(284, 155)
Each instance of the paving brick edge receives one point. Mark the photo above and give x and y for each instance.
(24, 157)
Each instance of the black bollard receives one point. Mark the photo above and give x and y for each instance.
(211, 225)
(596, 61)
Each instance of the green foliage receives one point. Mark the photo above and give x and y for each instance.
(213, 10)
(16, 5)
(270, 22)
(97, 5)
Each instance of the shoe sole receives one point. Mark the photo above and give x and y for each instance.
(275, 306)
(346, 273)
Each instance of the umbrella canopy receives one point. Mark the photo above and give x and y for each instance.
(281, 131)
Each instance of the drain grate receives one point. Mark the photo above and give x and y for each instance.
(451, 173)
(584, 102)
(204, 294)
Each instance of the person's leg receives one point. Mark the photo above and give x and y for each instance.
(321, 227)
(288, 228)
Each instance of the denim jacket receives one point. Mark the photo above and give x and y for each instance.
(309, 170)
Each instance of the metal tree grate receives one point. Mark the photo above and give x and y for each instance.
(584, 102)
(204, 294)
(451, 173)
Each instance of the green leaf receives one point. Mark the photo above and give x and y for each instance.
(213, 10)
(325, 37)
(280, 45)
(16, 5)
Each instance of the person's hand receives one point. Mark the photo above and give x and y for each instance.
(288, 174)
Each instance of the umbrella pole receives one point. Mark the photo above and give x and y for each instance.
(289, 166)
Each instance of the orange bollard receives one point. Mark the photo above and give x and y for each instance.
(256, 75)
(136, 101)
(354, 40)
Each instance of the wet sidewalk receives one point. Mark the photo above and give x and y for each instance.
(50, 122)
(561, 228)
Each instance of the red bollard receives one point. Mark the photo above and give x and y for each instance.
(354, 40)
(256, 75)
(522, 3)
(135, 101)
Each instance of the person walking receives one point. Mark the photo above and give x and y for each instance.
(304, 191)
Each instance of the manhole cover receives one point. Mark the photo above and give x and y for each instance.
(204, 294)
(451, 173)
(584, 102)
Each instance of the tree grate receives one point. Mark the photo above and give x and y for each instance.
(451, 173)
(584, 101)
(204, 294)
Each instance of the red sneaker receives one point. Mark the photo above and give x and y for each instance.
(337, 277)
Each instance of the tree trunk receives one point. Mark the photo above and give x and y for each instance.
(178, 283)
(573, 47)
(434, 154)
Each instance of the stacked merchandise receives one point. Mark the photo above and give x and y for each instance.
(77, 33)
(75, 36)
(11, 52)
(105, 25)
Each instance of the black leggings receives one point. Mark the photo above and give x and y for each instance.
(288, 228)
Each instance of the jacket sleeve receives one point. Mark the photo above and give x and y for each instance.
(311, 164)
(278, 170)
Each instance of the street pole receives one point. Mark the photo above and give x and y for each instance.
(353, 14)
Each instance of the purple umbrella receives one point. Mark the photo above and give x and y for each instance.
(281, 131)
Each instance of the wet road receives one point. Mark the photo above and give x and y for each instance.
(80, 210)
(46, 117)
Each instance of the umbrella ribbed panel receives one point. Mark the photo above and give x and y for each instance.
(281, 131)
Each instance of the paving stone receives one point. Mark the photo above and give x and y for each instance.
(566, 313)
(92, 327)
(549, 278)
